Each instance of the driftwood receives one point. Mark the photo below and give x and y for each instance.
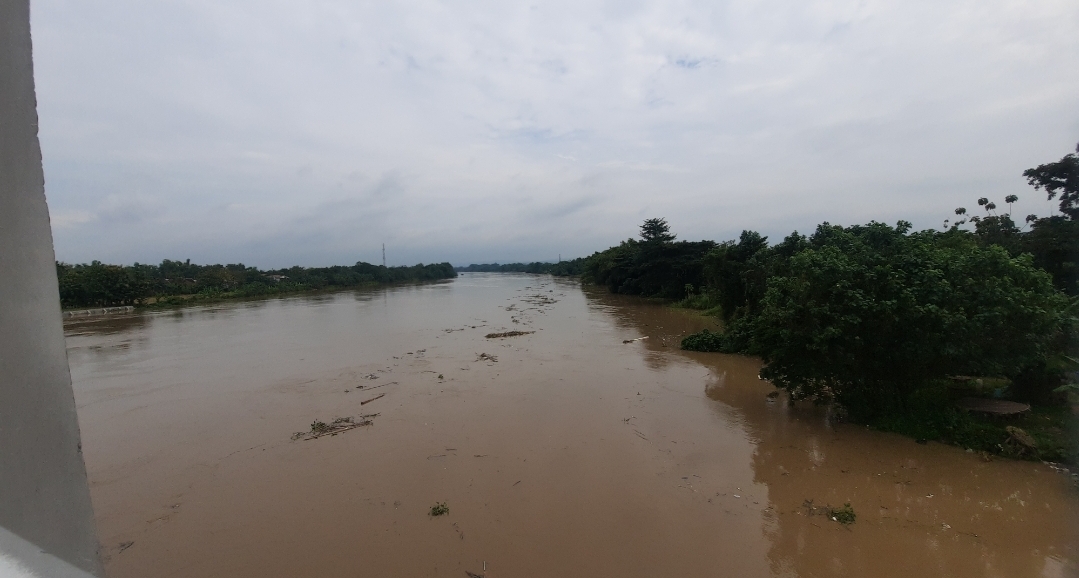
(377, 386)
(365, 402)
(339, 425)
(507, 334)
(634, 340)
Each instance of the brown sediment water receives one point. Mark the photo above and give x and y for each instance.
(563, 452)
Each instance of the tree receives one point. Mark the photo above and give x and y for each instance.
(1061, 177)
(656, 231)
(870, 314)
(725, 269)
(1010, 199)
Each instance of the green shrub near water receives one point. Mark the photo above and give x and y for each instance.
(704, 341)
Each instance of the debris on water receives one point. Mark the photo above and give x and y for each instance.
(439, 509)
(370, 376)
(340, 425)
(634, 340)
(378, 386)
(1020, 440)
(125, 546)
(486, 357)
(772, 395)
(507, 334)
(844, 515)
(367, 401)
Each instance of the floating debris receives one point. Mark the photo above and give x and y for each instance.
(844, 515)
(1020, 441)
(634, 340)
(376, 386)
(342, 424)
(439, 509)
(487, 357)
(507, 334)
(365, 402)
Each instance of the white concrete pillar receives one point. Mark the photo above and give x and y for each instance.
(44, 497)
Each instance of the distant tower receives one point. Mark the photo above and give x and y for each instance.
(384, 254)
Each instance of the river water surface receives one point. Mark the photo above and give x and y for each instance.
(564, 452)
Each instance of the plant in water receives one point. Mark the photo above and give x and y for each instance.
(704, 341)
(318, 426)
(844, 515)
(439, 509)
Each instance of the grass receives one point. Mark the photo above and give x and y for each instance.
(703, 302)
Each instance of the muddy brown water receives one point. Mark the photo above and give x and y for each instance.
(572, 454)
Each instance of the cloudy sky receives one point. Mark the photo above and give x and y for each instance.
(278, 133)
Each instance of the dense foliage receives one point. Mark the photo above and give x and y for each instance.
(100, 285)
(656, 266)
(870, 314)
(878, 317)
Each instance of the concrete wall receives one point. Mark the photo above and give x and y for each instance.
(44, 497)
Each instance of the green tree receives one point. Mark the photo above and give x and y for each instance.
(1059, 178)
(656, 231)
(869, 314)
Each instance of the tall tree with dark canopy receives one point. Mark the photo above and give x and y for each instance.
(1061, 177)
(656, 231)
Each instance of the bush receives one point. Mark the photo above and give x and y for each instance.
(704, 341)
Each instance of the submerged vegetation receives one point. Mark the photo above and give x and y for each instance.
(439, 509)
(877, 318)
(176, 282)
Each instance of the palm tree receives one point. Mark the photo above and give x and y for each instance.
(1010, 199)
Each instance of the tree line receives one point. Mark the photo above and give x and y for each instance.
(560, 269)
(879, 318)
(101, 285)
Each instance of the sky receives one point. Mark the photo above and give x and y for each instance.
(310, 133)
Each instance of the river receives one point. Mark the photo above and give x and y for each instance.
(563, 452)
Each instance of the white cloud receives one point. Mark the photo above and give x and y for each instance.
(279, 133)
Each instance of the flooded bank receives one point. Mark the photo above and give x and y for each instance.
(561, 452)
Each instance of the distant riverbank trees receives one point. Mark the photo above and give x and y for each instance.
(100, 285)
(879, 317)
(560, 269)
